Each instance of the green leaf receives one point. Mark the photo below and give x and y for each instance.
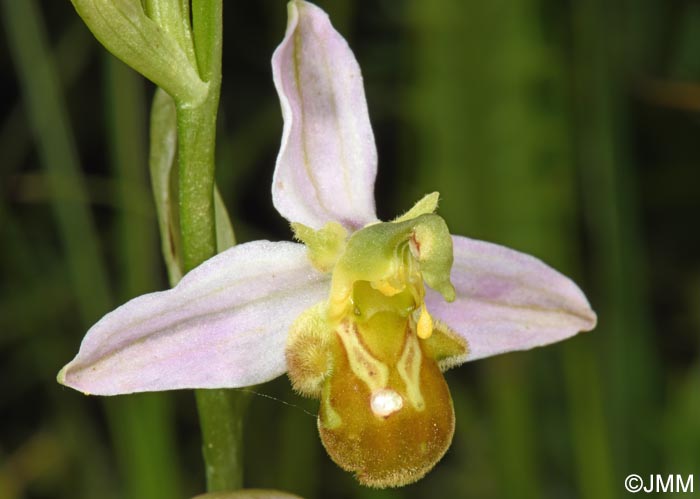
(163, 155)
(163, 158)
(123, 27)
(225, 237)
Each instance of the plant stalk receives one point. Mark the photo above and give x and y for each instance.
(220, 411)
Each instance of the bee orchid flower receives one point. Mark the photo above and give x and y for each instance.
(362, 314)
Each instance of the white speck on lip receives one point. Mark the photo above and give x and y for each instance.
(385, 402)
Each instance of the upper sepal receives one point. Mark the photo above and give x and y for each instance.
(327, 161)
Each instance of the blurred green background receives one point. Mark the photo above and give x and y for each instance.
(564, 129)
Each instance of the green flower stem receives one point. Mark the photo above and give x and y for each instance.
(196, 128)
(220, 411)
(221, 420)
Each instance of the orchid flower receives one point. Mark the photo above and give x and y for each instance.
(364, 315)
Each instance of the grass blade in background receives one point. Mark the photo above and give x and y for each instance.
(55, 143)
(492, 120)
(470, 122)
(71, 55)
(69, 201)
(142, 425)
(681, 437)
(52, 132)
(608, 181)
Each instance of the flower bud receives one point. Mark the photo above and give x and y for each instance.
(123, 27)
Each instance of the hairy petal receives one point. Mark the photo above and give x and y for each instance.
(507, 300)
(327, 161)
(224, 325)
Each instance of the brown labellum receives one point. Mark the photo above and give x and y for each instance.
(385, 443)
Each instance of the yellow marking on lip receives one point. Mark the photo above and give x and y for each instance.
(372, 372)
(386, 288)
(409, 368)
(425, 324)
